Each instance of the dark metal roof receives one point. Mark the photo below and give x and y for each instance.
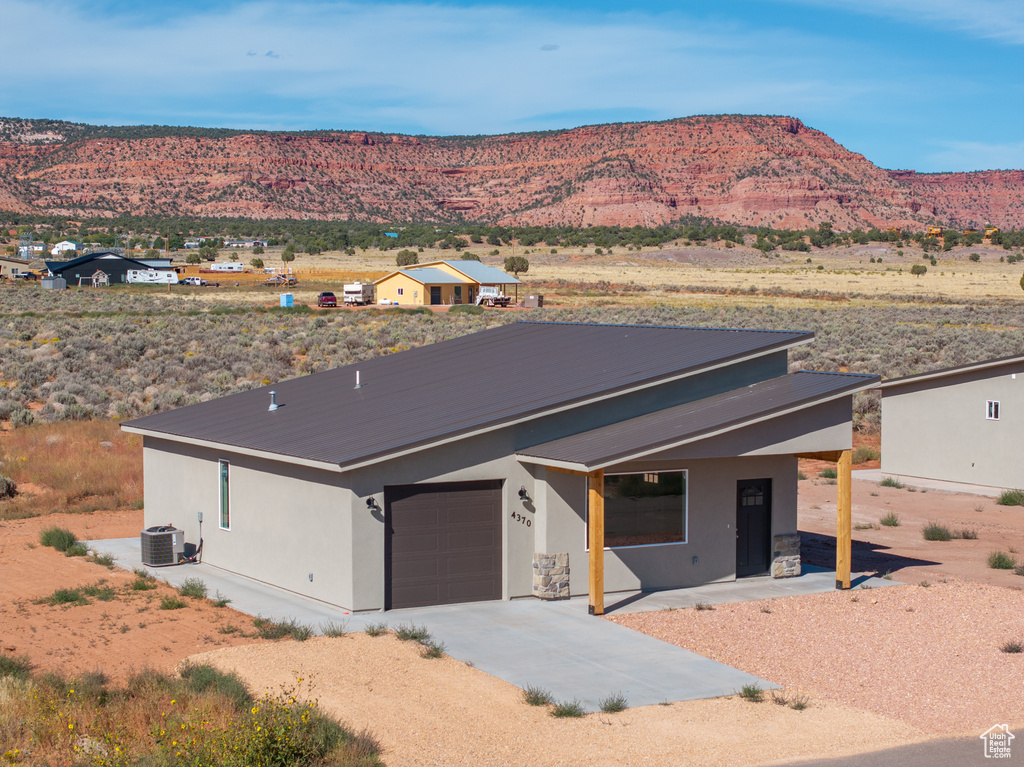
(465, 385)
(946, 372)
(56, 267)
(678, 425)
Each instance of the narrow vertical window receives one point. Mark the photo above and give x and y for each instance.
(225, 496)
(992, 410)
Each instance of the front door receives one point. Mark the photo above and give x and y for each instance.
(435, 295)
(753, 526)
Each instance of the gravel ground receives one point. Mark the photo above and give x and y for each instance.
(443, 712)
(927, 655)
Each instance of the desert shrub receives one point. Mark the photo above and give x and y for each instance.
(1012, 646)
(935, 531)
(466, 309)
(58, 538)
(193, 587)
(21, 417)
(8, 487)
(432, 649)
(334, 629)
(271, 629)
(966, 534)
(752, 693)
(1011, 498)
(863, 454)
(376, 629)
(171, 603)
(613, 704)
(571, 709)
(65, 597)
(407, 258)
(1000, 560)
(892, 519)
(76, 549)
(412, 632)
(891, 482)
(827, 473)
(200, 677)
(536, 696)
(17, 667)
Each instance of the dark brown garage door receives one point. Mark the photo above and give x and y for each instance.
(443, 543)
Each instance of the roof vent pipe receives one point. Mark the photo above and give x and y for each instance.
(273, 402)
(358, 385)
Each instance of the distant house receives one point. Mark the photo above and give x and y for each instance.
(439, 283)
(31, 250)
(64, 246)
(243, 243)
(542, 459)
(961, 424)
(12, 267)
(81, 270)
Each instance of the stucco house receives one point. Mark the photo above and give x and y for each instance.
(82, 269)
(531, 459)
(440, 282)
(10, 267)
(960, 424)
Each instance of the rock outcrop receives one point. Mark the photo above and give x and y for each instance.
(771, 171)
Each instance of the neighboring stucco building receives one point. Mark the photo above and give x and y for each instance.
(82, 269)
(439, 283)
(529, 459)
(962, 424)
(9, 267)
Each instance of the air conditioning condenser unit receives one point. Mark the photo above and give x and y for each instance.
(162, 545)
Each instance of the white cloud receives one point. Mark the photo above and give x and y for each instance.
(1001, 20)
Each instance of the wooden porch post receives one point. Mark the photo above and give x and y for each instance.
(844, 552)
(595, 516)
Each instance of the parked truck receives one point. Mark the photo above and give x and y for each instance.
(490, 295)
(358, 294)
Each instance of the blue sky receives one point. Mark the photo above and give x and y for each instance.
(935, 85)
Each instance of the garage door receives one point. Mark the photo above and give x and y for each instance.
(442, 544)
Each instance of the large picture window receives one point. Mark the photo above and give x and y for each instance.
(225, 495)
(644, 509)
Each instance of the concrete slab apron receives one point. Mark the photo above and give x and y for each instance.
(553, 645)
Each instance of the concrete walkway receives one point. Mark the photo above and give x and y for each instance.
(553, 645)
(876, 475)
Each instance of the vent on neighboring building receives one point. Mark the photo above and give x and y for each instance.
(163, 545)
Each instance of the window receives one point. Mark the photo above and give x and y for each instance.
(992, 410)
(225, 496)
(644, 509)
(401, 291)
(458, 294)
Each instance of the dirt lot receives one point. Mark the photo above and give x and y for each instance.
(128, 632)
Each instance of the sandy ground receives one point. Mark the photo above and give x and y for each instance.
(117, 636)
(442, 712)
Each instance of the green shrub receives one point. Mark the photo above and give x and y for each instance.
(934, 531)
(8, 487)
(412, 632)
(376, 629)
(613, 704)
(1000, 560)
(171, 603)
(432, 649)
(193, 587)
(100, 592)
(863, 454)
(106, 560)
(200, 677)
(1012, 647)
(702, 605)
(536, 696)
(143, 583)
(966, 533)
(271, 629)
(333, 629)
(892, 519)
(571, 709)
(892, 482)
(827, 474)
(58, 537)
(76, 549)
(65, 597)
(466, 309)
(1011, 498)
(16, 667)
(752, 693)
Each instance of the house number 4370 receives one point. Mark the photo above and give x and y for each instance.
(521, 519)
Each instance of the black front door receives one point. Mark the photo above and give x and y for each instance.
(435, 295)
(753, 526)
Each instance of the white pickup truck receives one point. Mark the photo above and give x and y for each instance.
(489, 295)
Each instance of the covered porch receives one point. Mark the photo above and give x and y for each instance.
(800, 415)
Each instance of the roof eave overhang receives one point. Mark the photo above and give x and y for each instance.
(224, 447)
(649, 450)
(949, 372)
(370, 460)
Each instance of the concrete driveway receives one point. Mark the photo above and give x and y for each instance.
(553, 645)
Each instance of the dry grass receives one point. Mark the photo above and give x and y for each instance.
(72, 466)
